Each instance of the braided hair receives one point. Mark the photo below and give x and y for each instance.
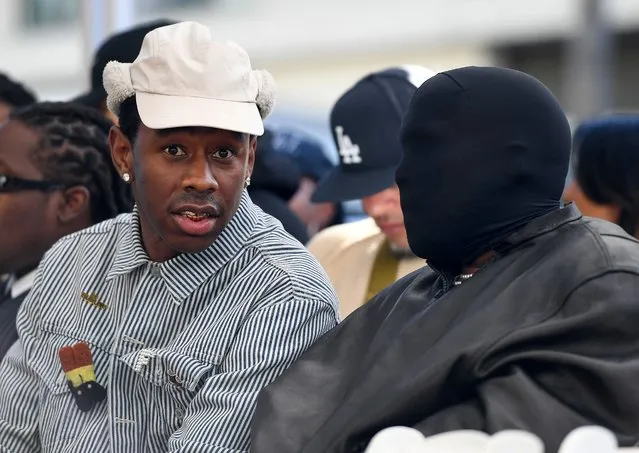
(74, 150)
(14, 93)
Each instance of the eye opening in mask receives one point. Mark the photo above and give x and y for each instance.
(9, 184)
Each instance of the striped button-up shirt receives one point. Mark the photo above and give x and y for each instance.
(182, 347)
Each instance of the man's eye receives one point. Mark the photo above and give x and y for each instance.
(223, 153)
(174, 150)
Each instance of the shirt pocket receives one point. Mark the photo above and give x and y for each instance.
(80, 330)
(57, 405)
(170, 380)
(44, 359)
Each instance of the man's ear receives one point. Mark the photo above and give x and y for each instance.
(121, 151)
(75, 203)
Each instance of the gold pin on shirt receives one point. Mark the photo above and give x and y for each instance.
(92, 299)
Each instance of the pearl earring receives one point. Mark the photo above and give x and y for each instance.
(126, 177)
(247, 181)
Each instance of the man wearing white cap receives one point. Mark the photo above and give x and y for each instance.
(155, 331)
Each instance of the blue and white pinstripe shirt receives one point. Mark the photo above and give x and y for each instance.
(182, 347)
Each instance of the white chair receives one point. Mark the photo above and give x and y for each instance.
(408, 440)
(589, 439)
(511, 441)
(400, 439)
(593, 439)
(397, 439)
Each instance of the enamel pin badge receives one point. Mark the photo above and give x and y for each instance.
(77, 364)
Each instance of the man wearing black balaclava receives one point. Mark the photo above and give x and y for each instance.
(485, 152)
(527, 316)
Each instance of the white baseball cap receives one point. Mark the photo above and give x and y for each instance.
(183, 78)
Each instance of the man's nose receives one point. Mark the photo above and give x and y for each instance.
(378, 209)
(199, 176)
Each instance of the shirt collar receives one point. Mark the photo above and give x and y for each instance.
(184, 273)
(22, 284)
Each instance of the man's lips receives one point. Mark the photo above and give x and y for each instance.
(196, 220)
(195, 211)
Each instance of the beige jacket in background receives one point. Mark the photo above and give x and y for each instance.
(347, 253)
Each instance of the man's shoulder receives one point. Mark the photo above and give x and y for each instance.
(90, 240)
(607, 246)
(279, 250)
(340, 237)
(581, 251)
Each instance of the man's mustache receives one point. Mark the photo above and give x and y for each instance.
(199, 199)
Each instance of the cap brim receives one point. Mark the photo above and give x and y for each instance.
(158, 111)
(340, 185)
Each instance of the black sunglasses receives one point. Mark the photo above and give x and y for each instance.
(15, 184)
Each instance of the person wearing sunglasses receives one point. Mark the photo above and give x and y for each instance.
(12, 94)
(56, 177)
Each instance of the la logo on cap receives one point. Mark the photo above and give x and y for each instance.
(348, 151)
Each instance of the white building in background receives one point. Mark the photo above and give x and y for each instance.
(315, 49)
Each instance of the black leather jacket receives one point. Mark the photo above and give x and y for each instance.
(544, 338)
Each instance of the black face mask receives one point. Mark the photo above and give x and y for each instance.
(485, 150)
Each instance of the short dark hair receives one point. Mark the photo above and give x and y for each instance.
(130, 121)
(74, 150)
(15, 93)
(606, 164)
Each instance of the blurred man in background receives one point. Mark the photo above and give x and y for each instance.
(363, 257)
(12, 94)
(274, 181)
(124, 47)
(309, 156)
(606, 163)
